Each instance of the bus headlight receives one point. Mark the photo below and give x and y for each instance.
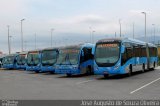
(75, 67)
(117, 66)
(96, 68)
(56, 67)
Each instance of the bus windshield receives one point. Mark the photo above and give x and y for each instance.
(21, 59)
(49, 57)
(107, 54)
(9, 60)
(33, 58)
(68, 56)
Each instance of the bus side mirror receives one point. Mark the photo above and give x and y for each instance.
(122, 49)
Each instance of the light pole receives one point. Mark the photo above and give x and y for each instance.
(8, 40)
(133, 30)
(51, 36)
(93, 36)
(145, 25)
(10, 43)
(22, 34)
(154, 32)
(120, 28)
(115, 34)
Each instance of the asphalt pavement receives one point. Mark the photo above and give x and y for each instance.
(23, 85)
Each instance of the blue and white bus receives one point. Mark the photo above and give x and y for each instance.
(33, 61)
(9, 61)
(48, 59)
(74, 60)
(123, 55)
(21, 60)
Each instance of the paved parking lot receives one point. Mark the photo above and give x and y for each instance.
(15, 84)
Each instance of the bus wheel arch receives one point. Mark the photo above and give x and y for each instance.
(106, 75)
(36, 71)
(89, 70)
(69, 75)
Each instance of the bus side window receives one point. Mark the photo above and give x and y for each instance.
(151, 51)
(143, 53)
(128, 54)
(137, 49)
(124, 57)
(155, 52)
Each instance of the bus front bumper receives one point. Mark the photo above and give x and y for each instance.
(33, 68)
(67, 71)
(8, 66)
(21, 67)
(47, 69)
(107, 70)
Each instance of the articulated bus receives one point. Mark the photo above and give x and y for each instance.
(48, 59)
(74, 60)
(33, 61)
(124, 55)
(9, 61)
(21, 60)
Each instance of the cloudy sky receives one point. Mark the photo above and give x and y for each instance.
(73, 20)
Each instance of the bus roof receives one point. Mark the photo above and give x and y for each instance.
(38, 50)
(126, 40)
(79, 46)
(134, 41)
(50, 48)
(15, 54)
(25, 52)
(151, 45)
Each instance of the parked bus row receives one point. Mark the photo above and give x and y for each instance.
(106, 57)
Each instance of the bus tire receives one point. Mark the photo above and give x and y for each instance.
(36, 71)
(89, 70)
(106, 75)
(69, 75)
(51, 72)
(130, 70)
(143, 68)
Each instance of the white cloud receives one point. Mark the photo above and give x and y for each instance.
(11, 7)
(81, 24)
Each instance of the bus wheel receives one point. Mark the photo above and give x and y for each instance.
(106, 75)
(143, 68)
(37, 71)
(130, 70)
(51, 72)
(69, 75)
(89, 70)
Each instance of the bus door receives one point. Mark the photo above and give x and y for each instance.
(86, 60)
(138, 54)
